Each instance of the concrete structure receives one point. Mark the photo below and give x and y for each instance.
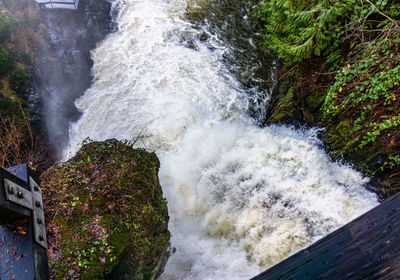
(59, 4)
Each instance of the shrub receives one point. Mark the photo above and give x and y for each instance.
(8, 24)
(366, 91)
(18, 79)
(6, 62)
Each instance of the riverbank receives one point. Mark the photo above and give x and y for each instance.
(340, 72)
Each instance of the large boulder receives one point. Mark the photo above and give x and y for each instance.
(106, 215)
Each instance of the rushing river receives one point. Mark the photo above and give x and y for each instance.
(241, 197)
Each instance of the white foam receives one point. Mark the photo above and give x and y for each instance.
(241, 197)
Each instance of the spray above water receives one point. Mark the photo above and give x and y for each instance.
(241, 198)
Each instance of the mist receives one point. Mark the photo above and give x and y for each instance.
(63, 65)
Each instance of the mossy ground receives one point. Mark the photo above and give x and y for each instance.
(106, 216)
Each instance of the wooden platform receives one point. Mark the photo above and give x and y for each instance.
(366, 248)
(59, 4)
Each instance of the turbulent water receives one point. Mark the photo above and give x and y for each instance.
(241, 197)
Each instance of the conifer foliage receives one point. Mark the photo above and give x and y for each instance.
(299, 29)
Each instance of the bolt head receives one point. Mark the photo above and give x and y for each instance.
(39, 220)
(11, 190)
(41, 238)
(20, 194)
(38, 204)
(36, 188)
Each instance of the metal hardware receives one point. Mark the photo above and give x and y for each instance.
(39, 227)
(18, 194)
(11, 190)
(20, 199)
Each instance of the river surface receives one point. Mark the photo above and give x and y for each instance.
(184, 78)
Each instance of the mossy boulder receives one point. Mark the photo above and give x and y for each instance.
(106, 215)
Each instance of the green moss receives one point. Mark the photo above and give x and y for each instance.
(314, 102)
(109, 216)
(339, 138)
(285, 110)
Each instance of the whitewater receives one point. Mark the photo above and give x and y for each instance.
(241, 197)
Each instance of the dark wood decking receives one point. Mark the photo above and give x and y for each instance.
(366, 248)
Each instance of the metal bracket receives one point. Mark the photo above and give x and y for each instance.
(31, 200)
(39, 227)
(18, 194)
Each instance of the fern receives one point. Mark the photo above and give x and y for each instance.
(299, 29)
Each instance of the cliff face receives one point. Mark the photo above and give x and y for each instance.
(63, 63)
(106, 215)
(21, 140)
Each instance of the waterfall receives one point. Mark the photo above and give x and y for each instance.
(241, 197)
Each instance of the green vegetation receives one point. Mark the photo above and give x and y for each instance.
(366, 93)
(20, 30)
(342, 61)
(6, 62)
(298, 29)
(107, 218)
(8, 24)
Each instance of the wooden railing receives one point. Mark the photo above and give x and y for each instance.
(23, 244)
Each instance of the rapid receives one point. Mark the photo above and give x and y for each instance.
(241, 197)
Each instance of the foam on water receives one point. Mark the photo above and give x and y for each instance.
(241, 198)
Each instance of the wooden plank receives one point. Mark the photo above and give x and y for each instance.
(366, 248)
(16, 253)
(19, 171)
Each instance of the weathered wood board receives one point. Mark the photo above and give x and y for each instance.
(366, 248)
(16, 253)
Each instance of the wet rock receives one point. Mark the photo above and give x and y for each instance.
(284, 109)
(106, 215)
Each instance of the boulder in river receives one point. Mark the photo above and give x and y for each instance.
(106, 215)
